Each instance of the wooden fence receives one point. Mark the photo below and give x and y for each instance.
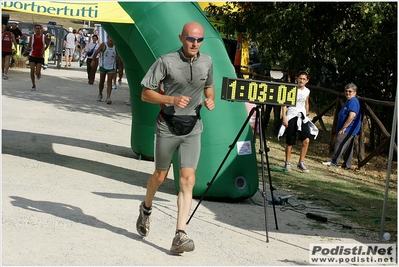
(336, 104)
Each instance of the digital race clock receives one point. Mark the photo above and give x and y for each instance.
(259, 92)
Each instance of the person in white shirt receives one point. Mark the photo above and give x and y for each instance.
(89, 57)
(107, 65)
(295, 120)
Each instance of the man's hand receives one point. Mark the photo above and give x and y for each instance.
(209, 103)
(181, 101)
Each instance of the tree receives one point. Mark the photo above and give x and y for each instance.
(336, 42)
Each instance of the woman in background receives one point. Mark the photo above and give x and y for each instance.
(89, 53)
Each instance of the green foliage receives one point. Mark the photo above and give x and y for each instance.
(337, 42)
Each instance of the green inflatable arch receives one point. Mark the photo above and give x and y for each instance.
(154, 33)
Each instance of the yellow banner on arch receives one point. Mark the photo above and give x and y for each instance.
(85, 10)
(106, 11)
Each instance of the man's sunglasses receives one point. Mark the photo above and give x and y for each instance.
(192, 39)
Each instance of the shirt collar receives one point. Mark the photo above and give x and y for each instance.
(182, 56)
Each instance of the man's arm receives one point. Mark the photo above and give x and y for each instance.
(14, 41)
(209, 98)
(284, 117)
(19, 35)
(150, 96)
(46, 40)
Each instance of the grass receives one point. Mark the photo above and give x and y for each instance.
(356, 195)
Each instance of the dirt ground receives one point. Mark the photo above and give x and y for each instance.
(71, 187)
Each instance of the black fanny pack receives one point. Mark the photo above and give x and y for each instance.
(181, 124)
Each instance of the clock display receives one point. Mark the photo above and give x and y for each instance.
(259, 92)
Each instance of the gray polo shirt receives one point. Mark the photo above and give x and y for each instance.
(175, 75)
(70, 40)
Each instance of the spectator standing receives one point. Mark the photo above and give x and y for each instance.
(80, 39)
(179, 97)
(24, 43)
(348, 126)
(89, 54)
(18, 35)
(118, 73)
(295, 120)
(47, 52)
(107, 64)
(16, 31)
(95, 32)
(7, 40)
(83, 39)
(38, 43)
(70, 44)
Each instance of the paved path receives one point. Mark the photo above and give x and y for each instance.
(71, 187)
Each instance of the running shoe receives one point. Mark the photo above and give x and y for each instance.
(301, 166)
(33, 88)
(329, 163)
(287, 166)
(181, 243)
(143, 221)
(108, 101)
(120, 83)
(99, 97)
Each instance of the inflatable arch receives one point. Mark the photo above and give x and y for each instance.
(155, 32)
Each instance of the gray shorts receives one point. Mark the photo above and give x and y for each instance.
(69, 51)
(188, 147)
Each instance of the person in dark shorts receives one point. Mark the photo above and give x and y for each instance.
(7, 40)
(178, 97)
(118, 73)
(18, 37)
(39, 43)
(295, 120)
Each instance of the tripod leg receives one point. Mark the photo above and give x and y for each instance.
(268, 172)
(258, 123)
(209, 184)
(271, 188)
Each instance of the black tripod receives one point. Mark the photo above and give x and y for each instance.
(262, 151)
